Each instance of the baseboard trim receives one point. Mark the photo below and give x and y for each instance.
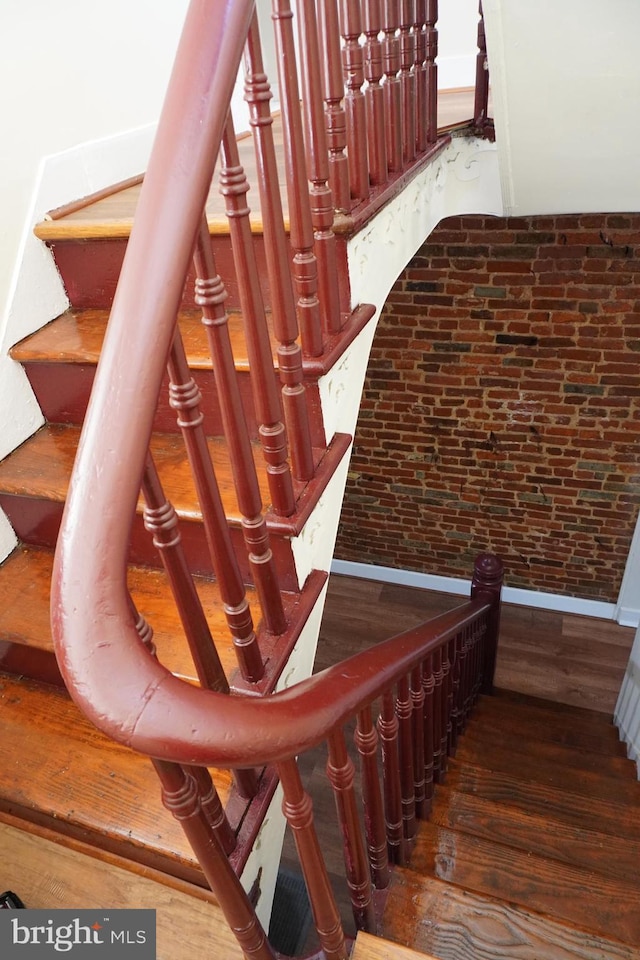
(459, 585)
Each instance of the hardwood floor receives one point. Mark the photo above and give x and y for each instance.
(554, 656)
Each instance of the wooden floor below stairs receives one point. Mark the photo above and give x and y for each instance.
(537, 858)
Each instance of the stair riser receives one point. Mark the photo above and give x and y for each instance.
(90, 270)
(37, 521)
(22, 661)
(63, 390)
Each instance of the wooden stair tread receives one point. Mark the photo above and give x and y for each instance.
(41, 468)
(50, 875)
(547, 752)
(538, 833)
(578, 717)
(25, 578)
(76, 336)
(368, 947)
(519, 764)
(588, 900)
(492, 713)
(112, 215)
(59, 770)
(454, 924)
(586, 812)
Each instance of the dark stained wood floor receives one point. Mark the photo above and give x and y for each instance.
(554, 656)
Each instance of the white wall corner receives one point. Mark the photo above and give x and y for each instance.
(627, 712)
(628, 604)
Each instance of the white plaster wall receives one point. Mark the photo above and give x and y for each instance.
(70, 72)
(565, 78)
(457, 43)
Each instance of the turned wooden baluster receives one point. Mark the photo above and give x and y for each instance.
(388, 731)
(322, 207)
(392, 85)
(432, 70)
(210, 297)
(446, 708)
(456, 711)
(298, 810)
(211, 811)
(304, 265)
(420, 73)
(334, 114)
(486, 586)
(340, 771)
(366, 741)
(437, 714)
(404, 713)
(161, 520)
(184, 397)
(407, 79)
(354, 104)
(283, 311)
(417, 722)
(465, 679)
(481, 101)
(180, 796)
(374, 94)
(428, 683)
(234, 187)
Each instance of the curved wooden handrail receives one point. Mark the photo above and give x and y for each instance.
(135, 700)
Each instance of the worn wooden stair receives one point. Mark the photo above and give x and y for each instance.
(532, 847)
(92, 790)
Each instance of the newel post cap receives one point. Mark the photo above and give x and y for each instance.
(488, 570)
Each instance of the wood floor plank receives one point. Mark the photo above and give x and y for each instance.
(25, 579)
(41, 468)
(541, 724)
(368, 947)
(576, 781)
(87, 785)
(455, 924)
(50, 875)
(540, 834)
(590, 901)
(76, 336)
(578, 809)
(547, 752)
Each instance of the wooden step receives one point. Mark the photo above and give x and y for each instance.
(34, 481)
(589, 900)
(454, 924)
(517, 763)
(575, 717)
(59, 771)
(496, 713)
(585, 812)
(535, 833)
(26, 647)
(50, 874)
(368, 947)
(507, 739)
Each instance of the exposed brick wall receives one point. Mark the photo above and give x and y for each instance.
(502, 406)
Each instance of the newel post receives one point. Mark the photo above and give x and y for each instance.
(486, 586)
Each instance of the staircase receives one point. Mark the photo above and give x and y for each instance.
(532, 846)
(229, 543)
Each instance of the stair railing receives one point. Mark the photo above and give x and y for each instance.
(104, 649)
(427, 679)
